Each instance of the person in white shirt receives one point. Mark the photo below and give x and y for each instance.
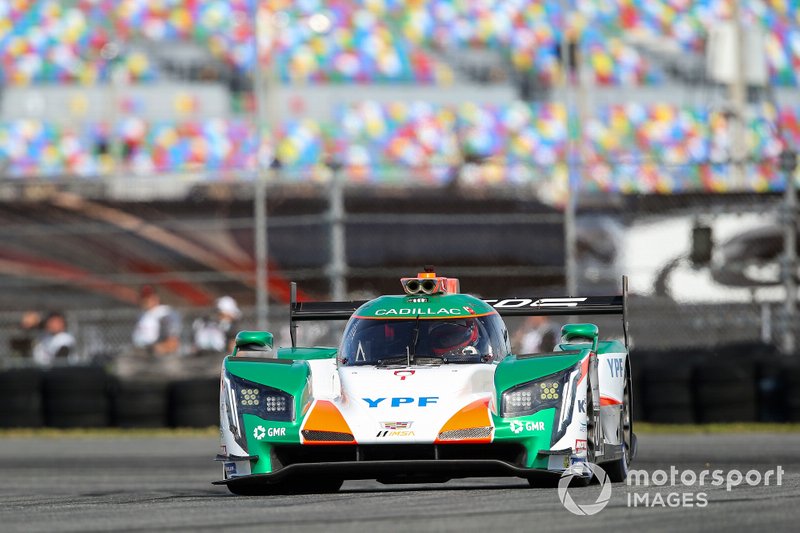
(55, 343)
(158, 329)
(537, 334)
(216, 334)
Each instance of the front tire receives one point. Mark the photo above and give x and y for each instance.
(617, 470)
(287, 486)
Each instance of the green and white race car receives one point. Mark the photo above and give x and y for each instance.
(424, 387)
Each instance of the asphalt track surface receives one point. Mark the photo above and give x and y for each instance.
(163, 484)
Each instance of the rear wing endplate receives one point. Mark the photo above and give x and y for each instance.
(585, 305)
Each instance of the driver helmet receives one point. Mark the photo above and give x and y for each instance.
(453, 337)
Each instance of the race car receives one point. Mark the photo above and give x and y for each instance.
(425, 387)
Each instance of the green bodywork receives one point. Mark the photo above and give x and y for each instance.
(425, 306)
(255, 340)
(290, 376)
(307, 354)
(573, 332)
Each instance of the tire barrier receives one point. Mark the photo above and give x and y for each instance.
(76, 397)
(791, 391)
(666, 392)
(726, 385)
(21, 398)
(726, 391)
(772, 392)
(194, 403)
(139, 404)
(638, 412)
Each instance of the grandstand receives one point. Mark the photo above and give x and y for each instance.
(93, 88)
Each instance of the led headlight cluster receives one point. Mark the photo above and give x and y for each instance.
(276, 404)
(533, 396)
(249, 397)
(263, 401)
(553, 391)
(549, 390)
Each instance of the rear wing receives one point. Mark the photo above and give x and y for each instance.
(585, 305)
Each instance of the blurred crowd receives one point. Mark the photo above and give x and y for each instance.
(157, 347)
(631, 148)
(368, 40)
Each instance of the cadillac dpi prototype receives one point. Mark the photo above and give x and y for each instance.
(424, 387)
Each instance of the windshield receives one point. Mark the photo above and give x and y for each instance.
(424, 341)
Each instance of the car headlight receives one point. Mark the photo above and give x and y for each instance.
(265, 402)
(554, 391)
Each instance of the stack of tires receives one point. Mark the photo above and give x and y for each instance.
(791, 392)
(726, 391)
(194, 403)
(139, 404)
(666, 391)
(21, 398)
(76, 397)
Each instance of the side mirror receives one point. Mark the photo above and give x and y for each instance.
(579, 333)
(253, 341)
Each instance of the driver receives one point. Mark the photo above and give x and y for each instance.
(455, 338)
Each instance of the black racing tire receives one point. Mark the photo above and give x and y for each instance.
(591, 424)
(667, 395)
(316, 486)
(671, 415)
(727, 414)
(20, 380)
(198, 416)
(791, 392)
(271, 489)
(77, 378)
(722, 394)
(76, 397)
(726, 392)
(21, 398)
(194, 403)
(617, 470)
(139, 404)
(288, 486)
(79, 420)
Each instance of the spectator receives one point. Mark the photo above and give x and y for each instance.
(158, 329)
(29, 330)
(537, 334)
(217, 334)
(55, 343)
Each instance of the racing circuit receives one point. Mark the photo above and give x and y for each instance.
(163, 483)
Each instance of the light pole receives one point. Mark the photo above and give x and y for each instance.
(259, 183)
(570, 59)
(788, 165)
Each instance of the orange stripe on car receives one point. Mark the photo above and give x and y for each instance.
(324, 418)
(474, 415)
(605, 400)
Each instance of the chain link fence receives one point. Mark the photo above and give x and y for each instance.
(500, 245)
